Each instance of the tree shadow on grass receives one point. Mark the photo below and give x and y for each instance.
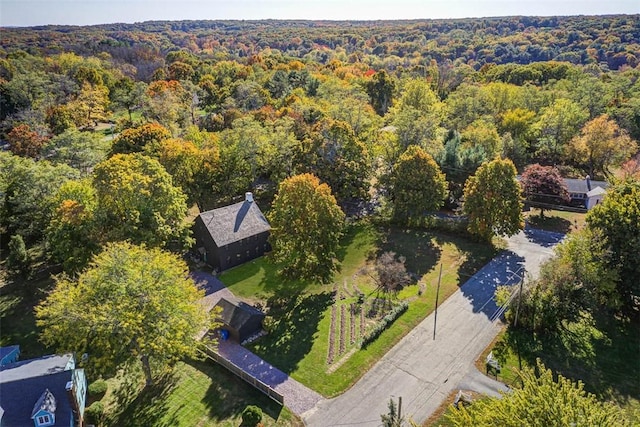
(18, 297)
(296, 324)
(228, 395)
(603, 355)
(417, 246)
(147, 406)
(474, 256)
(550, 223)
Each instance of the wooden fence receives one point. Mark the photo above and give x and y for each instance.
(238, 371)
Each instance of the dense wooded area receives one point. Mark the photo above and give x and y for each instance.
(207, 110)
(114, 132)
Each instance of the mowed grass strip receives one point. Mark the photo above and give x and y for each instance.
(195, 393)
(298, 341)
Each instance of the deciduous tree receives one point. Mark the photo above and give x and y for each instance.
(137, 201)
(416, 185)
(391, 272)
(541, 401)
(25, 142)
(543, 184)
(306, 226)
(492, 200)
(73, 234)
(600, 145)
(135, 140)
(618, 218)
(132, 303)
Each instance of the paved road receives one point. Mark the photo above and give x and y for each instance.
(424, 371)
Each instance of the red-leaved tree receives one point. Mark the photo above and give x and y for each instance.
(544, 185)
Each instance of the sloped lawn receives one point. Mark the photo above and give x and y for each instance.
(299, 338)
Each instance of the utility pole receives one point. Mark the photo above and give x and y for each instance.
(515, 324)
(399, 410)
(435, 313)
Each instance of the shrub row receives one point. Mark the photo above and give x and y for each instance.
(383, 324)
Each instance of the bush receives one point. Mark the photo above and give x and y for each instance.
(381, 326)
(97, 388)
(94, 413)
(251, 416)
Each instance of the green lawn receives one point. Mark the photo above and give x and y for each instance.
(559, 221)
(195, 393)
(298, 342)
(603, 354)
(18, 297)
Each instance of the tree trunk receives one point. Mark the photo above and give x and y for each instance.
(146, 368)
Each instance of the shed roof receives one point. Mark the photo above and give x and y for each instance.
(46, 365)
(235, 222)
(236, 313)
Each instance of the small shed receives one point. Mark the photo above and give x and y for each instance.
(232, 235)
(241, 320)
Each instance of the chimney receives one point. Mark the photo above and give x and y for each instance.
(588, 179)
(248, 197)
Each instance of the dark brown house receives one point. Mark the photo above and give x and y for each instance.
(232, 235)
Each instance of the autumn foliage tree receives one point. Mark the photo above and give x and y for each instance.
(25, 142)
(416, 185)
(541, 401)
(137, 201)
(543, 184)
(600, 145)
(306, 226)
(136, 140)
(131, 304)
(492, 200)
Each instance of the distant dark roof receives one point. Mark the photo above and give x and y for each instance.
(235, 222)
(8, 351)
(240, 316)
(580, 185)
(23, 386)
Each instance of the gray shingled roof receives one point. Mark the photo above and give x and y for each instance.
(240, 316)
(235, 222)
(578, 186)
(45, 365)
(8, 351)
(23, 383)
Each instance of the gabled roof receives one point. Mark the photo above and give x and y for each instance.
(236, 313)
(579, 186)
(47, 403)
(18, 398)
(596, 192)
(234, 222)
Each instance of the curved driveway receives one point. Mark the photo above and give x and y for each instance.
(424, 371)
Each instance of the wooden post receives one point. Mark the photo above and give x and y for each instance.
(435, 314)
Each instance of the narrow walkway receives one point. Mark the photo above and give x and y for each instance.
(297, 397)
